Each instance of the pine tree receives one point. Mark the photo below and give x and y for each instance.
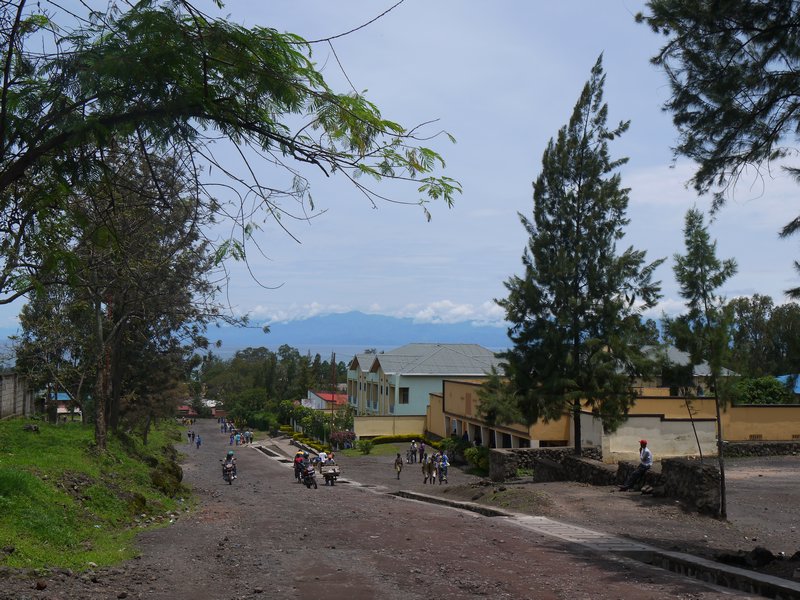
(575, 314)
(704, 331)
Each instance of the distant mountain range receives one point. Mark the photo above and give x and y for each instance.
(354, 332)
(347, 334)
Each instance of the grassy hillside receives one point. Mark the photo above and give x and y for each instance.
(64, 505)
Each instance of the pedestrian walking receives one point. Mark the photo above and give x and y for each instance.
(421, 450)
(428, 469)
(413, 451)
(198, 441)
(398, 465)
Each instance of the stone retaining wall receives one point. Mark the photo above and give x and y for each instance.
(504, 462)
(694, 483)
(734, 449)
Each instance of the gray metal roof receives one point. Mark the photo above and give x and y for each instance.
(448, 360)
(679, 357)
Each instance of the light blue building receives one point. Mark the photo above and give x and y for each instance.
(399, 381)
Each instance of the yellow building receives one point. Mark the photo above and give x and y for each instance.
(672, 425)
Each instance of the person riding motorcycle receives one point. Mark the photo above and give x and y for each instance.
(230, 459)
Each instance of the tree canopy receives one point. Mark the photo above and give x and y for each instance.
(575, 313)
(175, 81)
(734, 71)
(109, 127)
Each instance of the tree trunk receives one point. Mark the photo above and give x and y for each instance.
(116, 385)
(694, 427)
(101, 384)
(576, 419)
(146, 428)
(723, 506)
(100, 404)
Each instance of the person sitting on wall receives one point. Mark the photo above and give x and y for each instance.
(645, 462)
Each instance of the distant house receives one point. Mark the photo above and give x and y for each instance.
(66, 409)
(399, 382)
(324, 400)
(186, 410)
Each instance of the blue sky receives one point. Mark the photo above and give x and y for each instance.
(502, 77)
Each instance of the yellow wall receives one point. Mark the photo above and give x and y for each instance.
(771, 423)
(370, 426)
(672, 408)
(460, 401)
(434, 421)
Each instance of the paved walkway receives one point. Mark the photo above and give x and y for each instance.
(594, 541)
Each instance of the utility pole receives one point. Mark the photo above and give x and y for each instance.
(333, 387)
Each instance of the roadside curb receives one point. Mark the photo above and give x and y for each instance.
(677, 562)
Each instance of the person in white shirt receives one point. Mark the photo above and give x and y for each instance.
(645, 462)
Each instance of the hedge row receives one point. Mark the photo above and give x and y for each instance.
(395, 439)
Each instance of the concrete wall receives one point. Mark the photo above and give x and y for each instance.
(370, 426)
(665, 437)
(591, 432)
(15, 398)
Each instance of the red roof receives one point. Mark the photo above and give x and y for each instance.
(337, 399)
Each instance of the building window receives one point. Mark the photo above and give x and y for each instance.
(403, 395)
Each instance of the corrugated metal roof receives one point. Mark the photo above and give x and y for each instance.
(679, 357)
(437, 359)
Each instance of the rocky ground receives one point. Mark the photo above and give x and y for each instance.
(763, 495)
(269, 537)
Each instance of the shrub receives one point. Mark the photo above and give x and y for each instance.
(364, 446)
(478, 457)
(342, 438)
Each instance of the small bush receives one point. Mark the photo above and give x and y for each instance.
(478, 457)
(364, 446)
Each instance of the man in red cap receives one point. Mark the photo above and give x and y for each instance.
(645, 462)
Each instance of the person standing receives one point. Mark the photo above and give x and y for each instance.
(421, 449)
(645, 462)
(198, 441)
(414, 451)
(398, 464)
(444, 462)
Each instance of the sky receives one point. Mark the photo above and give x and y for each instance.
(502, 78)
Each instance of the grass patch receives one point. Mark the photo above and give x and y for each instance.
(377, 450)
(62, 504)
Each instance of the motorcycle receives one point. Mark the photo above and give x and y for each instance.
(310, 476)
(228, 472)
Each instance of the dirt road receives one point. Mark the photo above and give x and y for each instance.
(269, 537)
